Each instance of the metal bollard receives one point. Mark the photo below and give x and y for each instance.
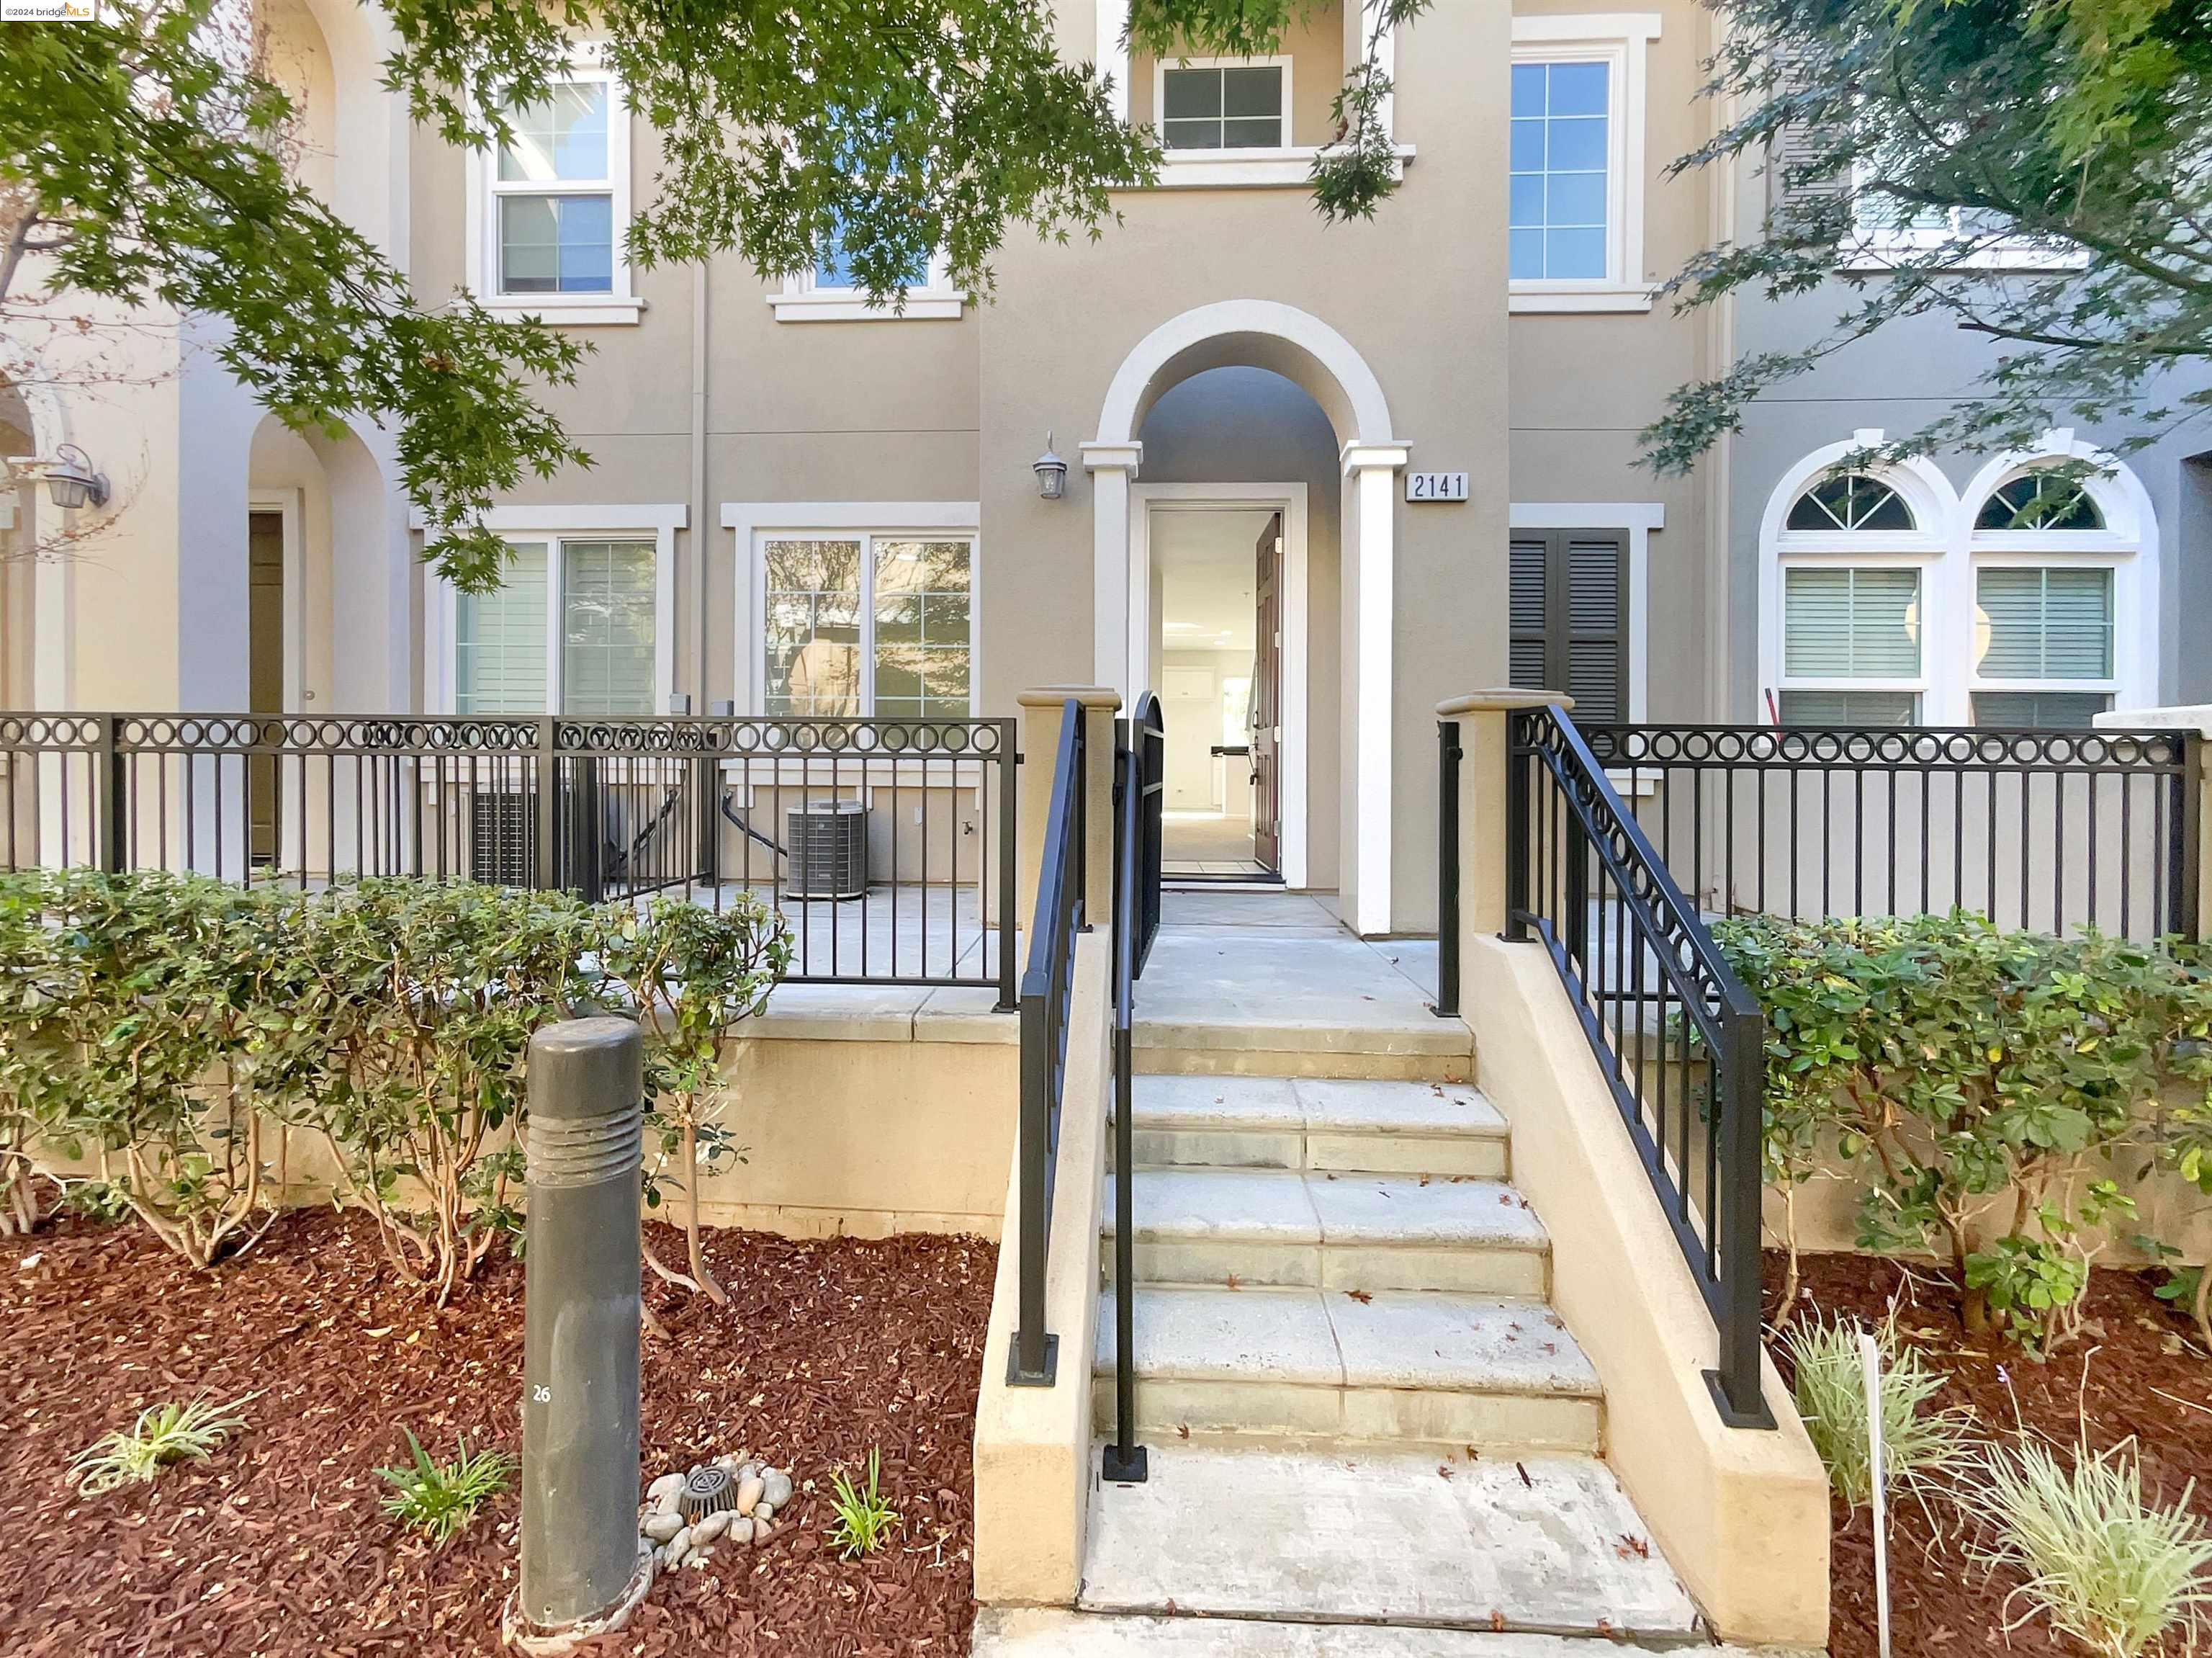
(581, 1321)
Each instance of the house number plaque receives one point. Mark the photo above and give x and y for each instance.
(1436, 486)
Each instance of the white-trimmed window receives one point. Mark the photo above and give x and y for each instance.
(582, 622)
(2024, 600)
(1889, 232)
(1575, 162)
(828, 293)
(572, 631)
(550, 205)
(866, 624)
(1218, 105)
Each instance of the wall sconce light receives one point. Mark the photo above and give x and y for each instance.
(1051, 471)
(71, 480)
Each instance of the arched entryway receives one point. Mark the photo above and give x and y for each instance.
(1299, 347)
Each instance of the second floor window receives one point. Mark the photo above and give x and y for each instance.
(554, 188)
(1560, 184)
(1230, 106)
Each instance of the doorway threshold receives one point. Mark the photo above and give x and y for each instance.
(1256, 876)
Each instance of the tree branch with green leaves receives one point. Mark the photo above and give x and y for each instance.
(2031, 171)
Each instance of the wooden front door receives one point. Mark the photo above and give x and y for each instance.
(1268, 695)
(265, 670)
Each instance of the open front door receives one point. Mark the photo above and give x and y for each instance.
(1268, 696)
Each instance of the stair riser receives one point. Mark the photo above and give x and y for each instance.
(1176, 1061)
(1342, 1153)
(1261, 1410)
(1496, 1271)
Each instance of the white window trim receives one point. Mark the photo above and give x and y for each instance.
(1639, 519)
(1885, 247)
(1288, 169)
(554, 525)
(1951, 551)
(619, 305)
(935, 300)
(755, 521)
(1620, 40)
(1160, 68)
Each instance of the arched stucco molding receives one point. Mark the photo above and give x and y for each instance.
(1307, 351)
(1919, 480)
(53, 586)
(372, 130)
(1254, 334)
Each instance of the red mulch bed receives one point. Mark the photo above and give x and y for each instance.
(278, 1544)
(2135, 1371)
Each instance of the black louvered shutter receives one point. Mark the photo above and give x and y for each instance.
(1569, 599)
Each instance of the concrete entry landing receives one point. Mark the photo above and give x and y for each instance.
(1538, 1543)
(1273, 983)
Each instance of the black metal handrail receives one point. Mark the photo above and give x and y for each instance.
(1657, 1001)
(608, 808)
(1139, 793)
(1047, 991)
(2049, 829)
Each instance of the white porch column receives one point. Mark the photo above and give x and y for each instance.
(1370, 506)
(1112, 467)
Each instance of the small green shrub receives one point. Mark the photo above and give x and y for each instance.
(1963, 1069)
(690, 974)
(160, 992)
(2105, 1565)
(162, 1435)
(439, 1498)
(421, 997)
(864, 1518)
(1829, 1381)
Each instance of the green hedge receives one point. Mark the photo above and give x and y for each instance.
(178, 1031)
(1953, 1065)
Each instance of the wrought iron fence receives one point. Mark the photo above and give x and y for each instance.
(2053, 829)
(1678, 1039)
(890, 844)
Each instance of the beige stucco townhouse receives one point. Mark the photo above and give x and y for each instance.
(1223, 372)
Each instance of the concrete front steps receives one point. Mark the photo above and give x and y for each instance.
(1359, 1409)
(1338, 1258)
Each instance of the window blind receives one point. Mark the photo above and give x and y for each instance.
(2046, 624)
(1850, 624)
(608, 615)
(499, 640)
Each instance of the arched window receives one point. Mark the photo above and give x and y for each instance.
(2046, 579)
(1852, 601)
(1850, 501)
(2038, 501)
(1889, 595)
